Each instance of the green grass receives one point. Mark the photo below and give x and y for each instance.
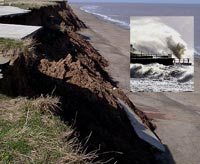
(26, 5)
(10, 43)
(31, 134)
(9, 46)
(31, 4)
(4, 97)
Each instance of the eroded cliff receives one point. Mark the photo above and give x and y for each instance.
(64, 64)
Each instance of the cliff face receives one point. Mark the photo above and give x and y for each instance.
(66, 65)
(49, 16)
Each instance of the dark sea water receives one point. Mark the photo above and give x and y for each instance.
(119, 13)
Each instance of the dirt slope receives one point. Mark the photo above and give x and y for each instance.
(66, 65)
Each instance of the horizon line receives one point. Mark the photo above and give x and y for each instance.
(142, 3)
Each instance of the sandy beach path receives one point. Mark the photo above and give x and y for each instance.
(177, 115)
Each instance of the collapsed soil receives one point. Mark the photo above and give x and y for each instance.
(66, 65)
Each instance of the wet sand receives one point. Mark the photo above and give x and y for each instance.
(177, 115)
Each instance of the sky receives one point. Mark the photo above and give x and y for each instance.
(142, 1)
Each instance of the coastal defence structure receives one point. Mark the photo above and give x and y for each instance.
(147, 58)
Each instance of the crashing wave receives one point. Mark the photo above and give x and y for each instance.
(151, 35)
(161, 72)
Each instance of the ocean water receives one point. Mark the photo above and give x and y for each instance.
(119, 14)
(184, 29)
(160, 78)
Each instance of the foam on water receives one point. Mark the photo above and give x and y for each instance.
(152, 85)
(158, 78)
(158, 71)
(94, 10)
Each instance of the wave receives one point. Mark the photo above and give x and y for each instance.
(94, 10)
(161, 72)
(150, 34)
(151, 85)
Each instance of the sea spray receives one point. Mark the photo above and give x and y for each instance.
(177, 49)
(150, 35)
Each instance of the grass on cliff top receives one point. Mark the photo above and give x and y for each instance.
(10, 43)
(7, 46)
(31, 134)
(31, 4)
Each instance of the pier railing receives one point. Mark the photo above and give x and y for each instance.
(182, 61)
(166, 59)
(149, 55)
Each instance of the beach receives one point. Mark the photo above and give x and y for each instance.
(177, 115)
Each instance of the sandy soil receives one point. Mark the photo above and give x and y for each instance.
(177, 115)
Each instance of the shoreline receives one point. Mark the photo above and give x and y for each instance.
(108, 45)
(177, 115)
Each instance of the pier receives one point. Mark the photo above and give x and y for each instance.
(157, 58)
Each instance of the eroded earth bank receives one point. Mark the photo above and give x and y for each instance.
(63, 63)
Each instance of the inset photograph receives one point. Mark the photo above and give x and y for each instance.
(162, 54)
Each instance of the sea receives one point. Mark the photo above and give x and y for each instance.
(156, 77)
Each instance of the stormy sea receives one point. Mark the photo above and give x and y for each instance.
(163, 35)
